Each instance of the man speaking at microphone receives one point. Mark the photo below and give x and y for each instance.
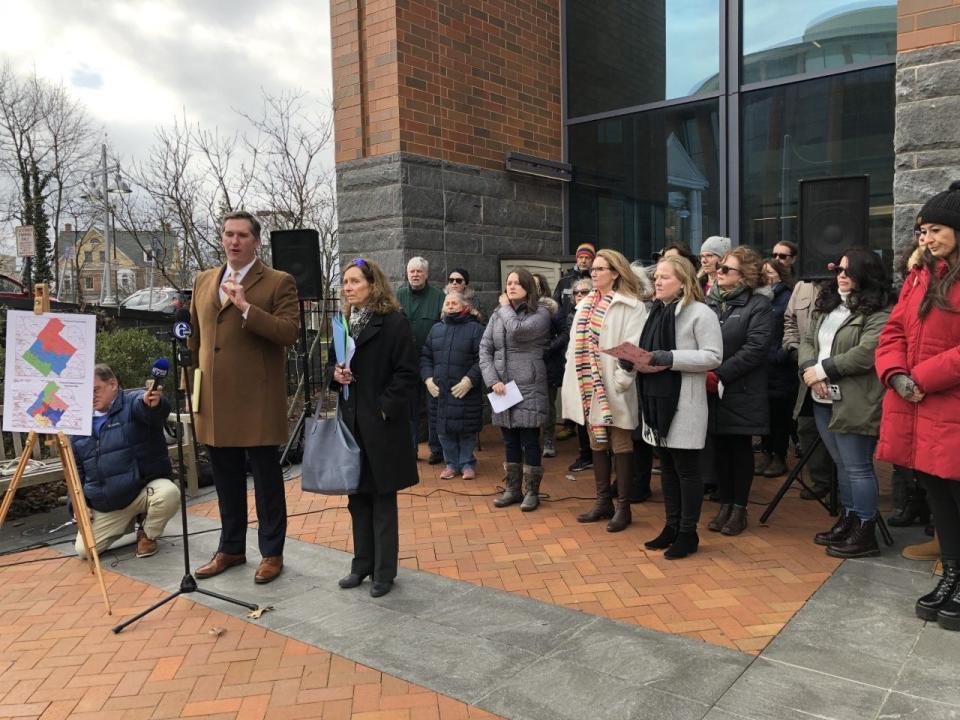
(123, 464)
(244, 314)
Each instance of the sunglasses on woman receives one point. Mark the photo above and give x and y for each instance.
(581, 292)
(837, 269)
(456, 280)
(724, 269)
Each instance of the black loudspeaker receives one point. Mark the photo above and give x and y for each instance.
(298, 252)
(834, 216)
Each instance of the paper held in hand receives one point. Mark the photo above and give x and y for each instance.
(630, 352)
(511, 397)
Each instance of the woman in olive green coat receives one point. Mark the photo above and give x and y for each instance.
(836, 359)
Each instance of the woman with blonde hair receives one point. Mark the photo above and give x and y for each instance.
(596, 391)
(682, 340)
(382, 376)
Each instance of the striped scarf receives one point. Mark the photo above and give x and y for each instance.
(587, 357)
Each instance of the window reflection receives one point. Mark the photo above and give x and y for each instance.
(644, 180)
(836, 126)
(832, 34)
(625, 52)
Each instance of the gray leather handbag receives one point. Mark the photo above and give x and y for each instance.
(332, 460)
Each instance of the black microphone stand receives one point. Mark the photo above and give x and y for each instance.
(188, 584)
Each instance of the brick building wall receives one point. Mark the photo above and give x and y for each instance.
(430, 96)
(927, 137)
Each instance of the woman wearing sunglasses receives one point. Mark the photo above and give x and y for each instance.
(458, 281)
(738, 388)
(836, 359)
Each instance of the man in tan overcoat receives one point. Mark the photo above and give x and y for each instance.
(244, 314)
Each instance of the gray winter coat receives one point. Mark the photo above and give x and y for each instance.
(512, 349)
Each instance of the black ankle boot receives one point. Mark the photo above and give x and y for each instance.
(685, 544)
(663, 540)
(861, 542)
(948, 617)
(930, 604)
(840, 530)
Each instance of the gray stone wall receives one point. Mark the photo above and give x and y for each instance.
(927, 138)
(394, 207)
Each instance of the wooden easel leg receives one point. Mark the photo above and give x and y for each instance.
(81, 512)
(17, 476)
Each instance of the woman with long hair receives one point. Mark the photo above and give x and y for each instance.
(382, 378)
(738, 388)
(512, 350)
(683, 339)
(782, 378)
(918, 359)
(836, 359)
(597, 392)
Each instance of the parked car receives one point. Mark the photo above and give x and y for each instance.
(11, 289)
(165, 299)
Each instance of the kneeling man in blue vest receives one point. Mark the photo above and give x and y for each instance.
(124, 466)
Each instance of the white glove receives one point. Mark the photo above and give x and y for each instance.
(461, 389)
(432, 387)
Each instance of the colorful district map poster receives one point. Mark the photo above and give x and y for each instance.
(48, 374)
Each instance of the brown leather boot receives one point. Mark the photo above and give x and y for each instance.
(720, 519)
(603, 508)
(929, 550)
(624, 467)
(737, 522)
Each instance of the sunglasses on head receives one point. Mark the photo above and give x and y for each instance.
(457, 280)
(782, 256)
(724, 269)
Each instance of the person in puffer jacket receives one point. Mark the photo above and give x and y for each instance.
(450, 369)
(123, 465)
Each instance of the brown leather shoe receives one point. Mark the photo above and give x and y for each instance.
(145, 546)
(269, 569)
(218, 563)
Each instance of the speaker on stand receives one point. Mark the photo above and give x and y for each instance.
(834, 215)
(297, 252)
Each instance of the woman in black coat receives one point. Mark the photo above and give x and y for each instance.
(746, 323)
(382, 378)
(449, 366)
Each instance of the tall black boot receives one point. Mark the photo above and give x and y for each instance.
(603, 508)
(914, 508)
(622, 517)
(930, 604)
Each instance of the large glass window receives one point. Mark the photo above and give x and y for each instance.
(786, 37)
(828, 127)
(622, 53)
(647, 179)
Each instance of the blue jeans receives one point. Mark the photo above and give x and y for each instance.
(458, 449)
(522, 445)
(853, 456)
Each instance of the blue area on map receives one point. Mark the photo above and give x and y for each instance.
(56, 361)
(40, 407)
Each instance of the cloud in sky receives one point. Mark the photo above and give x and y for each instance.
(137, 64)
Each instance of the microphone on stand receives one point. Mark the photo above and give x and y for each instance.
(160, 369)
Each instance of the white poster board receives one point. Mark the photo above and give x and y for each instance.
(26, 241)
(48, 378)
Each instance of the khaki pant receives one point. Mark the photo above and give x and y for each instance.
(158, 502)
(621, 440)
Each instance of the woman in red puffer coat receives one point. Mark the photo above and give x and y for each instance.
(918, 359)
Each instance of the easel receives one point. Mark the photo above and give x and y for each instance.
(41, 304)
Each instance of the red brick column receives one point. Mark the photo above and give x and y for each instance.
(922, 23)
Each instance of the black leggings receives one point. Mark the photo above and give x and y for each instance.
(781, 426)
(733, 459)
(522, 445)
(943, 497)
(682, 487)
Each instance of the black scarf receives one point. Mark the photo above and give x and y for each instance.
(660, 391)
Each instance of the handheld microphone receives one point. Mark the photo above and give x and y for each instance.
(182, 329)
(157, 373)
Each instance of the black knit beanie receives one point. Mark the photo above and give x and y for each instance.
(943, 208)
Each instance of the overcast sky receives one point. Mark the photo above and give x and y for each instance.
(137, 64)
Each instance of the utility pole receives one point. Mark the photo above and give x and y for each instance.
(107, 295)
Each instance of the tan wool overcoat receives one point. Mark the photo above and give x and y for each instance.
(243, 399)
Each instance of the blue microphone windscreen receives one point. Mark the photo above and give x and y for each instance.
(160, 367)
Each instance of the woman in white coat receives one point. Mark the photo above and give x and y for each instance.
(596, 391)
(682, 341)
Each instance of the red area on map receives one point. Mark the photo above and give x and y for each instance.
(51, 341)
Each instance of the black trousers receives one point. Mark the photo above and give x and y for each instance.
(733, 459)
(643, 463)
(781, 426)
(583, 437)
(682, 487)
(943, 497)
(376, 535)
(230, 478)
(522, 445)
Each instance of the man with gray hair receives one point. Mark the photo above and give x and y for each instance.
(422, 304)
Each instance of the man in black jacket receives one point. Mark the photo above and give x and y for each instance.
(124, 466)
(563, 293)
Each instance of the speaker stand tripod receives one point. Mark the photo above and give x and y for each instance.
(305, 354)
(188, 584)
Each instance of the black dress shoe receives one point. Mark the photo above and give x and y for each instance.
(379, 589)
(350, 581)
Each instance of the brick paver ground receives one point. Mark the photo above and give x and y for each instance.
(737, 592)
(59, 659)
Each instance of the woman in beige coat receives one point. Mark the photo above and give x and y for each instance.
(596, 391)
